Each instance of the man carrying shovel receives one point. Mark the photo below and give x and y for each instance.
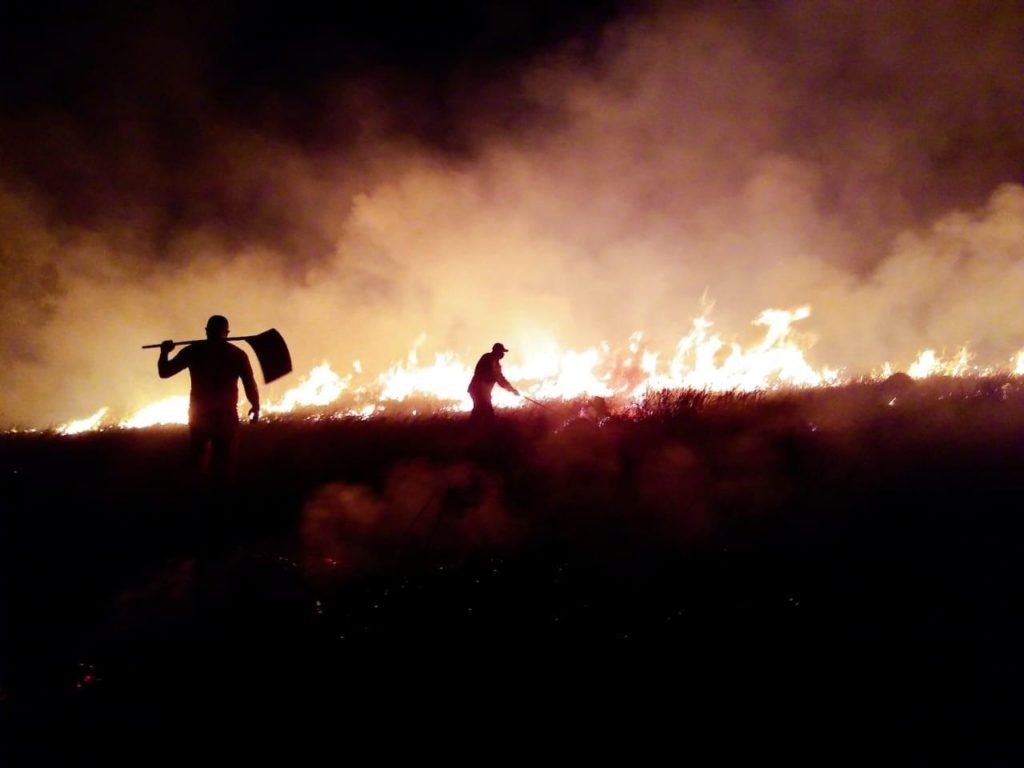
(215, 366)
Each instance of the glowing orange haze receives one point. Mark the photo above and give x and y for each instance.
(701, 360)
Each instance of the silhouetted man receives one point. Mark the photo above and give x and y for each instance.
(215, 366)
(485, 376)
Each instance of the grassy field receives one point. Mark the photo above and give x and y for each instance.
(855, 547)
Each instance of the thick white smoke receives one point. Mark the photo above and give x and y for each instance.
(864, 161)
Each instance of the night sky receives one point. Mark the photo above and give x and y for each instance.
(362, 174)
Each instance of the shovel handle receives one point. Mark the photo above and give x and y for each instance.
(536, 402)
(196, 341)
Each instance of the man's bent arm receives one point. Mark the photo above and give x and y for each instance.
(167, 368)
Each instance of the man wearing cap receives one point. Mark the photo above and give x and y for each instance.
(485, 376)
(215, 367)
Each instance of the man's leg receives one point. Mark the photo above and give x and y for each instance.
(214, 494)
(198, 450)
(483, 412)
(475, 414)
(223, 451)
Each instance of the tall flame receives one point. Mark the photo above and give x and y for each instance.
(930, 364)
(321, 386)
(446, 379)
(170, 410)
(83, 425)
(701, 360)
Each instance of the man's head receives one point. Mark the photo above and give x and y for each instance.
(499, 350)
(217, 327)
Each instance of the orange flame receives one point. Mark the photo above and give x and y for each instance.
(170, 410)
(321, 386)
(701, 360)
(83, 425)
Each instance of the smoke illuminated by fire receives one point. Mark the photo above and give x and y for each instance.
(860, 159)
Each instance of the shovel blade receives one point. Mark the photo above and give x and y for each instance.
(272, 353)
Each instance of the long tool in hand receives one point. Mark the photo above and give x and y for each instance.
(535, 402)
(271, 351)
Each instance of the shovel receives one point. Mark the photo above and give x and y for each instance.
(270, 349)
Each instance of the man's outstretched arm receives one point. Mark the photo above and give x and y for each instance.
(502, 381)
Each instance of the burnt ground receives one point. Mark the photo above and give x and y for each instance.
(834, 575)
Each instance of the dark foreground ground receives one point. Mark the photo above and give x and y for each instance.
(834, 574)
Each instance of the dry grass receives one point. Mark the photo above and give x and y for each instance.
(841, 528)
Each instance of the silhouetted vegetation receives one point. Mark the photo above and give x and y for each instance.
(863, 538)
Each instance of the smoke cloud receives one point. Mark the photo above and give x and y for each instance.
(866, 161)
